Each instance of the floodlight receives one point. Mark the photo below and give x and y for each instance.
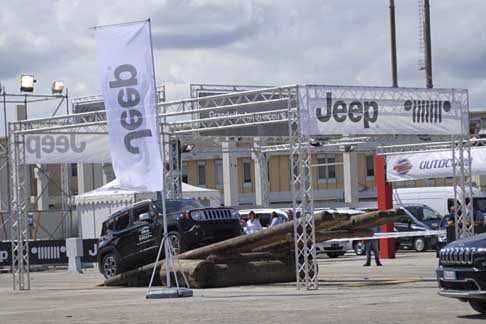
(314, 142)
(347, 148)
(57, 87)
(27, 83)
(188, 148)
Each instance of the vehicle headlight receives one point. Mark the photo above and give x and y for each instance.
(480, 262)
(442, 237)
(235, 214)
(196, 215)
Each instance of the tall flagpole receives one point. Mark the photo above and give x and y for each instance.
(161, 193)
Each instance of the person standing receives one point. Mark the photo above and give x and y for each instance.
(372, 245)
(277, 219)
(252, 224)
(290, 215)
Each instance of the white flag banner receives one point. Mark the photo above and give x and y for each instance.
(431, 164)
(125, 64)
(343, 110)
(66, 148)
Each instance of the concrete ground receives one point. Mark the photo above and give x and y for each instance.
(402, 291)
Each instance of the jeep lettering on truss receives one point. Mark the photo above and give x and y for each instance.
(349, 110)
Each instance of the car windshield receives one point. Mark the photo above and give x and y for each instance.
(424, 213)
(445, 220)
(178, 205)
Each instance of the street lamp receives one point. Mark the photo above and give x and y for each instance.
(27, 83)
(57, 87)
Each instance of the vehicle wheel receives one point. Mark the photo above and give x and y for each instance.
(111, 265)
(333, 255)
(478, 305)
(176, 241)
(420, 245)
(358, 248)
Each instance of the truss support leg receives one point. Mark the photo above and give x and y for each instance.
(384, 191)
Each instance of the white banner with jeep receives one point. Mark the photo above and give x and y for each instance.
(66, 148)
(343, 110)
(126, 71)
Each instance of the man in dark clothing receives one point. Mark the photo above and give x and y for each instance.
(373, 245)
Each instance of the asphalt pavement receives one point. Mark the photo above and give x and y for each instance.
(404, 290)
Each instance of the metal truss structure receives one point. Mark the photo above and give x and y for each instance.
(18, 225)
(91, 121)
(302, 201)
(187, 121)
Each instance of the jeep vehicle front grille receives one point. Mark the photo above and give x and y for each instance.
(218, 214)
(457, 256)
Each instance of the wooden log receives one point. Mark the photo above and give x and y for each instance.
(205, 274)
(320, 237)
(249, 242)
(240, 257)
(369, 220)
(275, 239)
(199, 273)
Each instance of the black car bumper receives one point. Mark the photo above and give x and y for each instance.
(462, 283)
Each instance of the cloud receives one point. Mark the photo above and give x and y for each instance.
(248, 42)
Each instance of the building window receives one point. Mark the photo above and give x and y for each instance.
(219, 173)
(74, 169)
(370, 166)
(247, 171)
(201, 171)
(184, 172)
(327, 167)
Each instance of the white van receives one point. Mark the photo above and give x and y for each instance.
(439, 198)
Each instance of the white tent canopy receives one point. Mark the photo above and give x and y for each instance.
(95, 206)
(111, 192)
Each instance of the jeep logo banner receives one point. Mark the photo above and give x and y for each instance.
(124, 56)
(336, 110)
(431, 164)
(67, 148)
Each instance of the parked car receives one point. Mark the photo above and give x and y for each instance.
(419, 217)
(462, 271)
(130, 238)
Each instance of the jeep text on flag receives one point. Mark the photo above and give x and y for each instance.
(343, 110)
(124, 55)
(431, 164)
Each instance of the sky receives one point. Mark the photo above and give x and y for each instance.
(341, 42)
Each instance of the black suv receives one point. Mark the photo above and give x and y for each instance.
(462, 271)
(130, 238)
(419, 217)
